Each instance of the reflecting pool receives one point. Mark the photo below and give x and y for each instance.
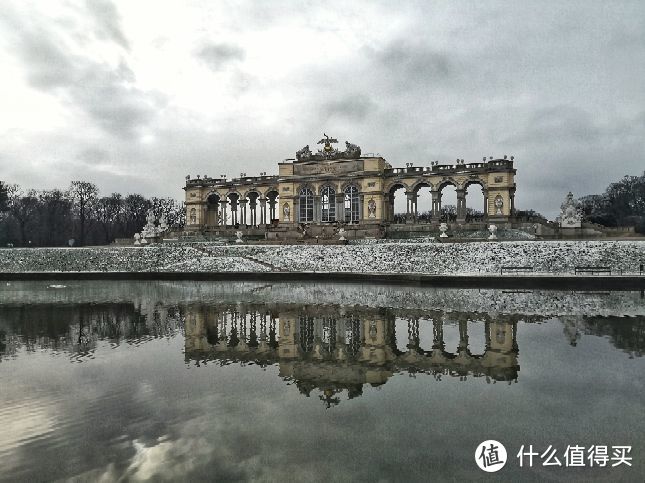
(255, 381)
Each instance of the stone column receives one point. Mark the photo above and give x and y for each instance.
(295, 205)
(461, 205)
(223, 204)
(340, 207)
(485, 192)
(253, 204)
(361, 201)
(436, 205)
(463, 335)
(317, 214)
(272, 203)
(437, 335)
(263, 209)
(512, 207)
(243, 211)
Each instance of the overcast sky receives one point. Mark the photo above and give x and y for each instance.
(134, 95)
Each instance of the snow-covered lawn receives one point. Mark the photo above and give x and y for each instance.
(434, 258)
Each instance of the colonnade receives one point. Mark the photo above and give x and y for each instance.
(233, 211)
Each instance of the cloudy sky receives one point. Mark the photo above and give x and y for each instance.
(135, 95)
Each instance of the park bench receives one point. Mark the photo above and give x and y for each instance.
(515, 270)
(593, 270)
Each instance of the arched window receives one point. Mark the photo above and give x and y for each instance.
(352, 204)
(328, 204)
(306, 205)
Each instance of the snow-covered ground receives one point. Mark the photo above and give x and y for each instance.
(433, 258)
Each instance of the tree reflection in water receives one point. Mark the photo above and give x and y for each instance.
(330, 349)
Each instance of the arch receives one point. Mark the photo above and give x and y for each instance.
(475, 203)
(233, 198)
(352, 204)
(398, 212)
(212, 209)
(447, 182)
(210, 193)
(394, 186)
(251, 191)
(448, 200)
(272, 197)
(421, 183)
(422, 201)
(327, 204)
(305, 205)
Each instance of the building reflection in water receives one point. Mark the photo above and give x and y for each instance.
(332, 350)
(325, 350)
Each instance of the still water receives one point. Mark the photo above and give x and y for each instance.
(295, 382)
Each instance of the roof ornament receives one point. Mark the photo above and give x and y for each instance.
(328, 152)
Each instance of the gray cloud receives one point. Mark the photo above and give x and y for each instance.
(217, 56)
(353, 107)
(101, 91)
(558, 85)
(415, 62)
(108, 21)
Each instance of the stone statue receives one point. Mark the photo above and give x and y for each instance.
(493, 232)
(352, 151)
(499, 204)
(570, 213)
(150, 217)
(304, 154)
(341, 234)
(286, 212)
(371, 208)
(239, 234)
(328, 152)
(443, 228)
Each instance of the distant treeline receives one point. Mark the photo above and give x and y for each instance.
(622, 204)
(53, 217)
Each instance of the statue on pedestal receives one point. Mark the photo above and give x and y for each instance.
(570, 213)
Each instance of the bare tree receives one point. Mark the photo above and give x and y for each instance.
(108, 211)
(22, 207)
(84, 195)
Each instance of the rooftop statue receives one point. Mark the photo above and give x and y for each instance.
(352, 151)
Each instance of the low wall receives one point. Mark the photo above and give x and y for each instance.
(462, 281)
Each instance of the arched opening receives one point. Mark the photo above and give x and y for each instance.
(233, 204)
(396, 204)
(251, 210)
(352, 205)
(328, 204)
(271, 215)
(306, 206)
(423, 202)
(212, 209)
(475, 202)
(448, 202)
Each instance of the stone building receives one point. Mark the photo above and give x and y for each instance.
(332, 187)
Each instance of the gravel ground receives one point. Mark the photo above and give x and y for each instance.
(434, 258)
